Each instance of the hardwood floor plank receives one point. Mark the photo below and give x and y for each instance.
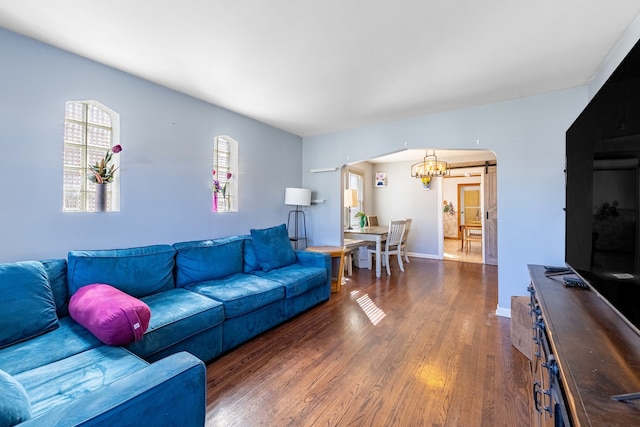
(419, 348)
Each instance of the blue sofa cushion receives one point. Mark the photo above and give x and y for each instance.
(249, 254)
(57, 272)
(61, 382)
(296, 279)
(207, 259)
(176, 314)
(28, 307)
(169, 392)
(15, 406)
(273, 248)
(69, 339)
(137, 271)
(240, 293)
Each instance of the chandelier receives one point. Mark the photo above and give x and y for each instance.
(429, 167)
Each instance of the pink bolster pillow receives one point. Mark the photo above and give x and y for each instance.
(115, 318)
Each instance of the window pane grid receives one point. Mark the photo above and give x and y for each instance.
(98, 137)
(223, 160)
(75, 111)
(73, 180)
(221, 164)
(73, 133)
(94, 156)
(98, 116)
(73, 156)
(87, 137)
(72, 201)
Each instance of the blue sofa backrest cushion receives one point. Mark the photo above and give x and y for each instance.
(138, 272)
(249, 254)
(57, 272)
(15, 406)
(207, 259)
(273, 247)
(28, 307)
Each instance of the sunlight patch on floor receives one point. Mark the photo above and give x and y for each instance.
(432, 376)
(373, 312)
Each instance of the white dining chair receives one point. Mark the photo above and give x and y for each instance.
(392, 246)
(403, 245)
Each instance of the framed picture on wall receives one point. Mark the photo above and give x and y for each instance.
(381, 179)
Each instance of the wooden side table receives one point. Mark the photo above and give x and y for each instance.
(337, 264)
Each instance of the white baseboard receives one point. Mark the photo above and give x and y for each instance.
(503, 312)
(427, 256)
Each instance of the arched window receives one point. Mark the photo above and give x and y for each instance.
(90, 130)
(225, 174)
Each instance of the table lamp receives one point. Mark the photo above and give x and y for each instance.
(350, 200)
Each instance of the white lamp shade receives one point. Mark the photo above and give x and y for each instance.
(297, 197)
(350, 198)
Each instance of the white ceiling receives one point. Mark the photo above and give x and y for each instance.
(312, 66)
(450, 156)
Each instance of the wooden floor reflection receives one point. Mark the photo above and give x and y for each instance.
(421, 347)
(454, 252)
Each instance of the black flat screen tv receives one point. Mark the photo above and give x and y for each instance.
(602, 240)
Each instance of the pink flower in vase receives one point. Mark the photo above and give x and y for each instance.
(224, 187)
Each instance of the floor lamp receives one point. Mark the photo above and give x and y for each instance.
(350, 200)
(297, 197)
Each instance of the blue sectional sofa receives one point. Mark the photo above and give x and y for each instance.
(205, 298)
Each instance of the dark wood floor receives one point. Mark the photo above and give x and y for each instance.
(421, 348)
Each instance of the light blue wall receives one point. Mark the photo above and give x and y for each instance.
(165, 166)
(404, 197)
(528, 137)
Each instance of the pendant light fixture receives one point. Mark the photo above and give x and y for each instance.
(429, 167)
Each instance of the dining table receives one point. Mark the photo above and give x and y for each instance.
(377, 234)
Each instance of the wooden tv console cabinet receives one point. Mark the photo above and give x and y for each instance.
(584, 353)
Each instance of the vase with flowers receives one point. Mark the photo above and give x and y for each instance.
(221, 188)
(426, 182)
(103, 173)
(362, 217)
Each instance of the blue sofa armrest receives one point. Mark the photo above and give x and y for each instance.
(314, 259)
(169, 392)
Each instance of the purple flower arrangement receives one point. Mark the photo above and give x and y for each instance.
(102, 172)
(221, 188)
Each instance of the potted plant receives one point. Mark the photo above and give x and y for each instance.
(448, 207)
(102, 173)
(362, 217)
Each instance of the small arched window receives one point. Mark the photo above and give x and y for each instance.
(90, 130)
(225, 174)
